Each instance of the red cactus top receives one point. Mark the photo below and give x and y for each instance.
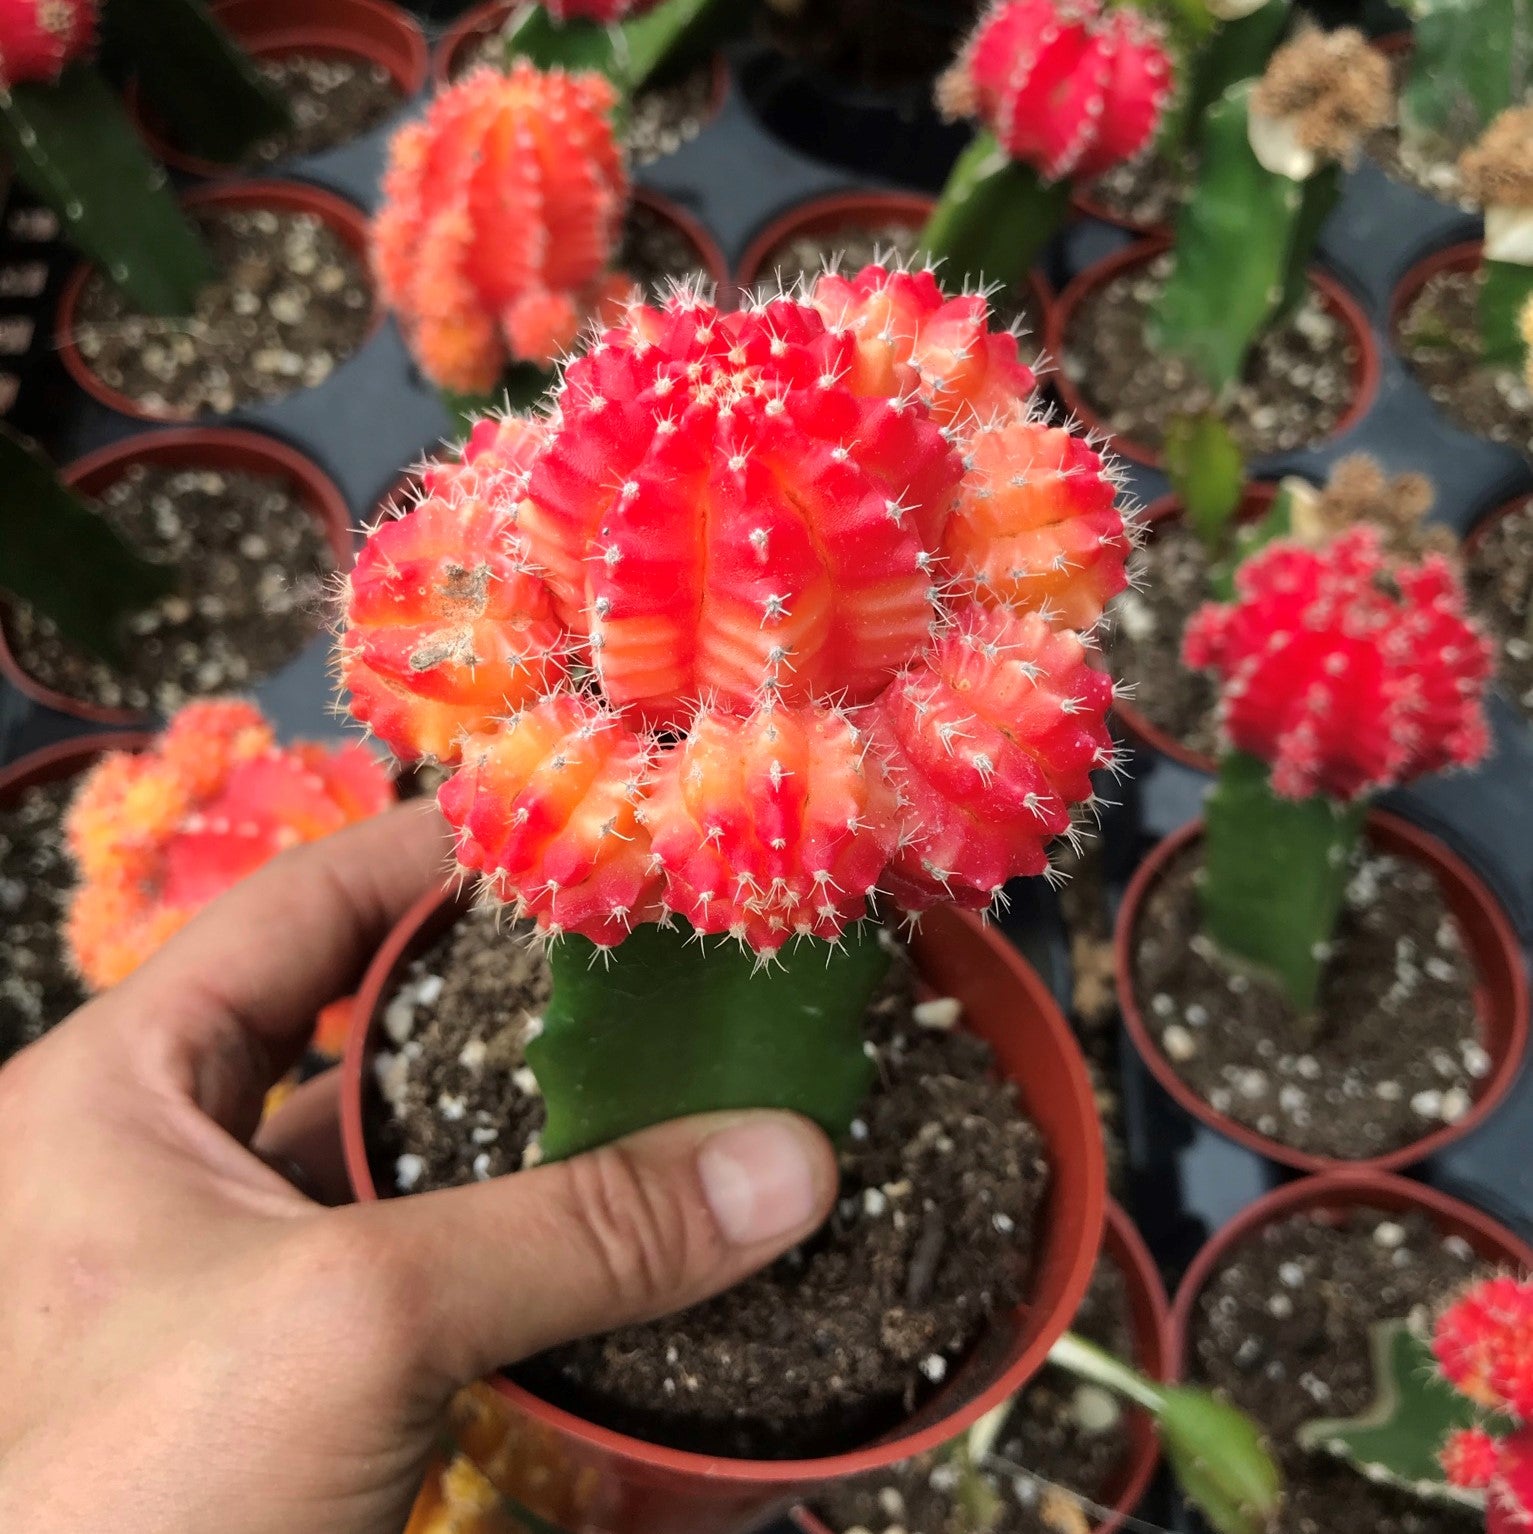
(39, 38)
(1348, 673)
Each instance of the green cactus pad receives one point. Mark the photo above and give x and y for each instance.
(1470, 62)
(198, 82)
(994, 217)
(669, 1024)
(1243, 244)
(65, 560)
(1207, 473)
(1237, 50)
(73, 145)
(1507, 289)
(1399, 1437)
(1275, 875)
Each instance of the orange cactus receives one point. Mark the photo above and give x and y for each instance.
(158, 834)
(502, 210)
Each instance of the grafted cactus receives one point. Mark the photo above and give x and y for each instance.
(502, 210)
(39, 37)
(1063, 92)
(1268, 175)
(1498, 174)
(1341, 675)
(706, 667)
(157, 834)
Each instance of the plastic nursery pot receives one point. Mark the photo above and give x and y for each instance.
(57, 763)
(709, 257)
(1255, 503)
(1066, 310)
(1089, 207)
(349, 224)
(591, 1480)
(1328, 1197)
(192, 447)
(373, 30)
(1501, 992)
(1150, 1318)
(867, 210)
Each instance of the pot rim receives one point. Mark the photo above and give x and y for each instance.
(1366, 377)
(697, 234)
(1477, 534)
(858, 204)
(65, 759)
(332, 30)
(1358, 1187)
(1456, 256)
(435, 912)
(190, 445)
(1497, 938)
(345, 219)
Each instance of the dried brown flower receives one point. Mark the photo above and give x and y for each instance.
(1333, 87)
(1498, 171)
(1360, 493)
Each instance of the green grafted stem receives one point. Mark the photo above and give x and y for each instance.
(1208, 475)
(1506, 291)
(994, 217)
(1243, 245)
(1236, 50)
(630, 55)
(1470, 61)
(668, 1024)
(1275, 875)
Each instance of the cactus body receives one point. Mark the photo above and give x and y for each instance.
(1483, 1343)
(157, 835)
(39, 37)
(502, 209)
(1470, 61)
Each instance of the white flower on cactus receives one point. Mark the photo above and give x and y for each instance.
(1509, 235)
(1275, 142)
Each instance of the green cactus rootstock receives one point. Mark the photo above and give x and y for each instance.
(1470, 61)
(73, 146)
(1275, 875)
(669, 1023)
(630, 55)
(1398, 1438)
(1208, 475)
(1506, 289)
(995, 216)
(1243, 245)
(1234, 51)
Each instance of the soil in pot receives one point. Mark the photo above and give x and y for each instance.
(37, 987)
(1282, 1330)
(1061, 1440)
(1404, 162)
(291, 302)
(661, 118)
(1146, 193)
(942, 1178)
(253, 562)
(1499, 568)
(858, 244)
(656, 252)
(1438, 335)
(331, 97)
(1299, 381)
(1143, 643)
(1393, 1053)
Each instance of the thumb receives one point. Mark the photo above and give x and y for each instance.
(638, 1229)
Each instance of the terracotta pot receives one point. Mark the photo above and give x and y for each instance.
(1328, 1196)
(1501, 992)
(592, 1480)
(907, 210)
(1150, 1315)
(190, 447)
(1466, 256)
(1343, 307)
(349, 224)
(1255, 504)
(381, 33)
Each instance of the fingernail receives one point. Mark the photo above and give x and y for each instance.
(759, 1179)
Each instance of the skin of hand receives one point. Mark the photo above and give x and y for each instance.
(188, 1343)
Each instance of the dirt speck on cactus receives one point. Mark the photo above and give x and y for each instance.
(1298, 385)
(37, 987)
(1439, 337)
(1499, 570)
(1282, 1331)
(291, 302)
(829, 1344)
(1397, 1054)
(253, 562)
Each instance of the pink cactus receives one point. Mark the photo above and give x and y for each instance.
(1348, 674)
(1069, 87)
(696, 641)
(502, 211)
(158, 834)
(39, 38)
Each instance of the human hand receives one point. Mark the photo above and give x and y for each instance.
(188, 1343)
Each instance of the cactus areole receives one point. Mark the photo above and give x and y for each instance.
(772, 615)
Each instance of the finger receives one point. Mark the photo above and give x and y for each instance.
(305, 1135)
(639, 1229)
(235, 993)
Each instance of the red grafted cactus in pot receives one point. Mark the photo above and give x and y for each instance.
(157, 834)
(1341, 674)
(1063, 90)
(714, 680)
(502, 210)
